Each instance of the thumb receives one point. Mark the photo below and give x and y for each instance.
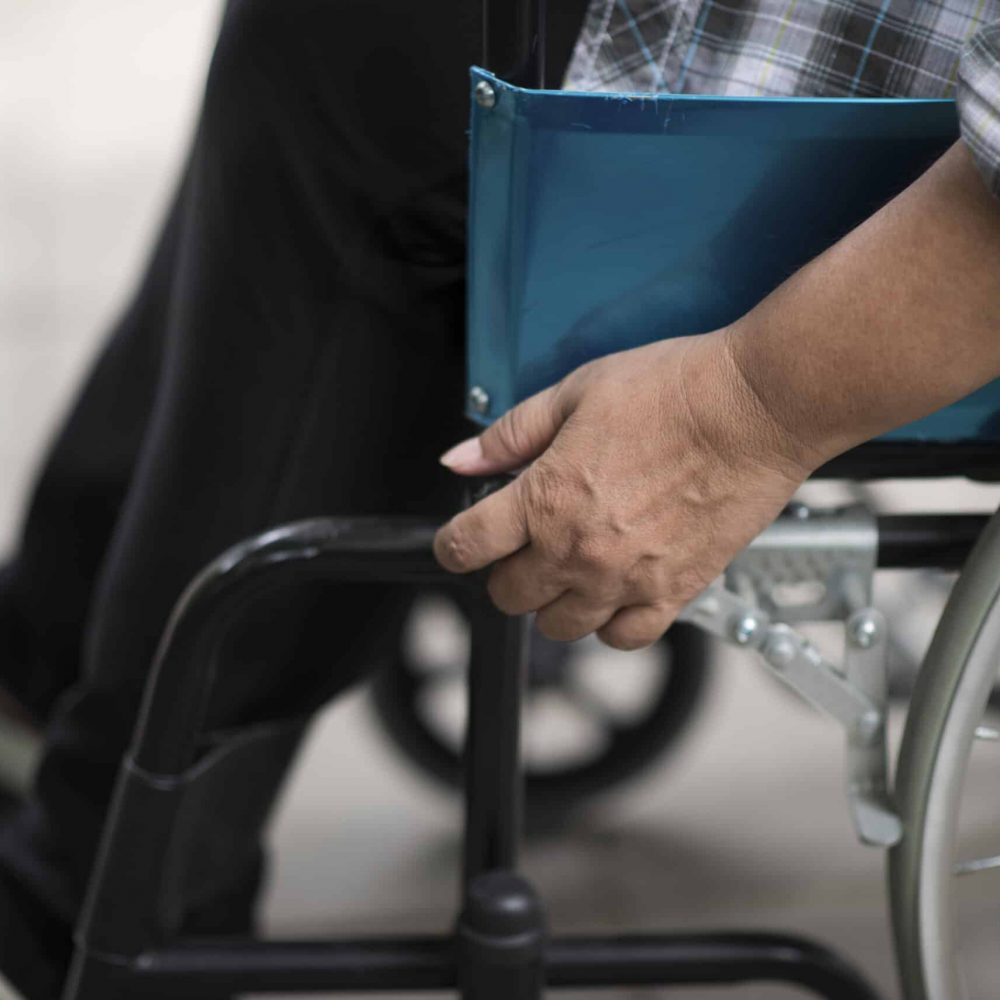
(517, 438)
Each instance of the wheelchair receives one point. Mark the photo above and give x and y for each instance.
(543, 167)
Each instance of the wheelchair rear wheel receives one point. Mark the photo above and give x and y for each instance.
(593, 717)
(944, 802)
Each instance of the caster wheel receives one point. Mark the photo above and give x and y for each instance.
(593, 717)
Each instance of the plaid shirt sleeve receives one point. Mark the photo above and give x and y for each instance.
(978, 98)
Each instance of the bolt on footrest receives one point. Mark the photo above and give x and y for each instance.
(833, 552)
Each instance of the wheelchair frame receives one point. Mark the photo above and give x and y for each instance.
(500, 949)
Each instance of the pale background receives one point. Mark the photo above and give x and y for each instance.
(746, 826)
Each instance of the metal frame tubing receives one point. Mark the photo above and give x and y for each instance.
(927, 541)
(493, 779)
(500, 948)
(501, 929)
(120, 921)
(514, 33)
(354, 550)
(428, 964)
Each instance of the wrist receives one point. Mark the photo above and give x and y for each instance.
(770, 402)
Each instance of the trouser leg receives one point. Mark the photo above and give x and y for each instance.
(311, 364)
(47, 586)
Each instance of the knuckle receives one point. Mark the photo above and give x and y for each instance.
(686, 584)
(512, 432)
(451, 549)
(648, 573)
(659, 581)
(545, 491)
(582, 376)
(596, 555)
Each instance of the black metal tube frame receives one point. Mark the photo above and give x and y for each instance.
(361, 550)
(927, 541)
(164, 746)
(514, 35)
(428, 964)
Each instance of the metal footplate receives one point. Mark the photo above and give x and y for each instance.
(818, 566)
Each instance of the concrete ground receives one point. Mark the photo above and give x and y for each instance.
(745, 826)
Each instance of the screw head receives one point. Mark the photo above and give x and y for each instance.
(486, 96)
(743, 629)
(780, 649)
(868, 727)
(798, 510)
(864, 632)
(479, 400)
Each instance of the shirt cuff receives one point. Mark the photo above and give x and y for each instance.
(978, 99)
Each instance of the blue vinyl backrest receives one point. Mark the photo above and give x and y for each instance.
(599, 222)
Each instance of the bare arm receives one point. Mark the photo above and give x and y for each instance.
(650, 469)
(895, 321)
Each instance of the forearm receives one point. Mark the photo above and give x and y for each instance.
(898, 319)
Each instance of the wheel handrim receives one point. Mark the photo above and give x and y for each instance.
(948, 704)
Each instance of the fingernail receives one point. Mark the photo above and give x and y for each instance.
(463, 456)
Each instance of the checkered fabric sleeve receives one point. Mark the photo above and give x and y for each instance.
(978, 98)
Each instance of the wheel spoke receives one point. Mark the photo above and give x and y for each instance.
(977, 865)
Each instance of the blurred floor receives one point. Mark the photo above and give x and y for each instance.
(746, 827)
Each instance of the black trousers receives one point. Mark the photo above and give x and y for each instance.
(295, 349)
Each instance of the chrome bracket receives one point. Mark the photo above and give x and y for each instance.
(818, 565)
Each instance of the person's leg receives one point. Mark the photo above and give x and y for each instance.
(47, 586)
(311, 364)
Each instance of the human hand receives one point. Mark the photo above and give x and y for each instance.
(647, 472)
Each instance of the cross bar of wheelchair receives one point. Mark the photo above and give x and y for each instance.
(429, 964)
(927, 541)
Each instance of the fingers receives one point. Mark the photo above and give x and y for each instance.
(571, 617)
(637, 626)
(524, 582)
(517, 438)
(493, 528)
